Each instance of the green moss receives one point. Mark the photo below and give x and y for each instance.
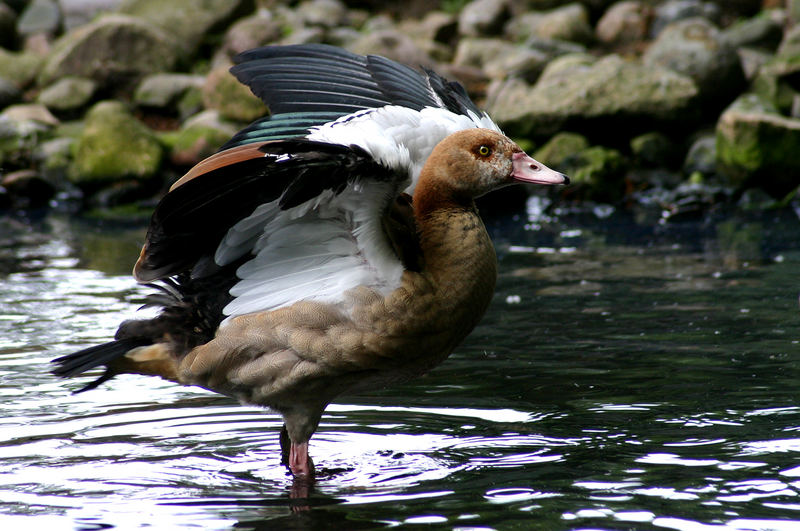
(560, 148)
(19, 67)
(114, 145)
(233, 100)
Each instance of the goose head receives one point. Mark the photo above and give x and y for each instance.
(476, 161)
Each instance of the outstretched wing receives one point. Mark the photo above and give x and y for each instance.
(303, 216)
(308, 85)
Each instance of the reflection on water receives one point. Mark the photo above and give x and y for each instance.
(624, 378)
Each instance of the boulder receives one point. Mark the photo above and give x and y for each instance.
(115, 51)
(196, 141)
(188, 22)
(483, 17)
(567, 23)
(20, 68)
(233, 100)
(756, 146)
(324, 13)
(251, 32)
(763, 31)
(653, 150)
(68, 94)
(165, 90)
(606, 95)
(40, 16)
(624, 23)
(702, 156)
(114, 146)
(393, 44)
(674, 10)
(75, 13)
(695, 48)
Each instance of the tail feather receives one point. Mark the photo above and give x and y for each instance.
(99, 355)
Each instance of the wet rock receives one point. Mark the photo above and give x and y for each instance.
(187, 22)
(165, 90)
(76, 13)
(702, 156)
(756, 146)
(483, 18)
(21, 68)
(251, 32)
(114, 146)
(233, 100)
(695, 48)
(27, 189)
(653, 150)
(624, 23)
(8, 26)
(567, 23)
(115, 51)
(609, 94)
(68, 94)
(674, 10)
(40, 16)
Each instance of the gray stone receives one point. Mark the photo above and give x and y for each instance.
(251, 32)
(757, 146)
(232, 99)
(483, 17)
(752, 60)
(392, 44)
(576, 89)
(675, 10)
(702, 156)
(165, 90)
(500, 59)
(30, 112)
(79, 12)
(436, 26)
(68, 94)
(40, 16)
(624, 23)
(567, 23)
(324, 13)
(762, 31)
(694, 47)
(187, 22)
(115, 51)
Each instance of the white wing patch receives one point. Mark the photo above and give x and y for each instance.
(306, 253)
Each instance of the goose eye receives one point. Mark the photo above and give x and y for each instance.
(484, 151)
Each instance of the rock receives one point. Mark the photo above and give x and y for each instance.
(21, 68)
(675, 10)
(609, 94)
(9, 93)
(653, 150)
(761, 31)
(392, 44)
(702, 156)
(757, 146)
(251, 32)
(195, 142)
(560, 148)
(115, 51)
(483, 17)
(436, 26)
(752, 60)
(30, 112)
(624, 23)
(500, 59)
(567, 23)
(165, 90)
(233, 100)
(18, 138)
(114, 146)
(68, 94)
(324, 13)
(27, 189)
(776, 80)
(75, 13)
(40, 16)
(54, 157)
(188, 22)
(8, 26)
(695, 48)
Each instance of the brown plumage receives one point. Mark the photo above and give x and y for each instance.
(298, 358)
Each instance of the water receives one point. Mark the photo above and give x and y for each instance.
(627, 376)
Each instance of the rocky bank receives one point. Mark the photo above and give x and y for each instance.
(104, 103)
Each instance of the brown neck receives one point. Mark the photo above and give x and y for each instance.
(457, 254)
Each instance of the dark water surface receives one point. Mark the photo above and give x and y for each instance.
(625, 377)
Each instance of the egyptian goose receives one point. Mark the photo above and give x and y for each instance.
(291, 265)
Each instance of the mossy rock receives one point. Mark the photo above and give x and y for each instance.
(21, 68)
(194, 143)
(560, 148)
(234, 101)
(113, 146)
(756, 146)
